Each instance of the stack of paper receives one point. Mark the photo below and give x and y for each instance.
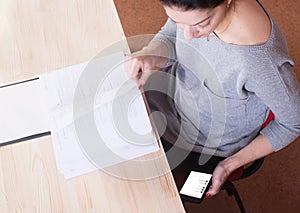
(97, 116)
(22, 112)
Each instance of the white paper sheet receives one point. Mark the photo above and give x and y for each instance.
(74, 155)
(22, 111)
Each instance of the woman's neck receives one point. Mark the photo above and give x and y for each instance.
(225, 24)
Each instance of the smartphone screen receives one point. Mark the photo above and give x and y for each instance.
(195, 186)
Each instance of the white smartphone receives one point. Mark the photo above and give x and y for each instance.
(196, 186)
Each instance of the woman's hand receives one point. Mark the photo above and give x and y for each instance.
(142, 64)
(220, 175)
(258, 148)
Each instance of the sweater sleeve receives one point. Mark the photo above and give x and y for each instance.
(167, 35)
(275, 83)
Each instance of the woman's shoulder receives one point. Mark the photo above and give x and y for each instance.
(251, 25)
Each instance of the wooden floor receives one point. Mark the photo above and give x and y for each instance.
(276, 187)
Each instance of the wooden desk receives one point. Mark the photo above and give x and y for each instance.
(39, 36)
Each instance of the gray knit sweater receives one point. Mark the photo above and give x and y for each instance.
(224, 92)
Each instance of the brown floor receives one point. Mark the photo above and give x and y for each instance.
(275, 188)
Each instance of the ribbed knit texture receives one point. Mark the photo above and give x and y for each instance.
(224, 92)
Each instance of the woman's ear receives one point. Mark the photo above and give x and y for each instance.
(228, 3)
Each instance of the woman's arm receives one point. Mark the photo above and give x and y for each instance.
(258, 148)
(154, 56)
(143, 63)
(279, 90)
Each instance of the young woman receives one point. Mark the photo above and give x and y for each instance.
(234, 63)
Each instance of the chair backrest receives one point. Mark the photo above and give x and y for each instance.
(244, 172)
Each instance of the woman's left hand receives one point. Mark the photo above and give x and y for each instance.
(258, 148)
(220, 174)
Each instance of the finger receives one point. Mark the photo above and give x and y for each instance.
(214, 188)
(143, 78)
(136, 67)
(133, 67)
(145, 74)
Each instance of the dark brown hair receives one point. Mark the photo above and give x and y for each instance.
(192, 4)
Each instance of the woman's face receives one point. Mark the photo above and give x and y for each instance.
(197, 23)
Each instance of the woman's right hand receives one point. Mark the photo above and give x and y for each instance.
(142, 64)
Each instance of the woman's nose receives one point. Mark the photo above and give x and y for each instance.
(188, 32)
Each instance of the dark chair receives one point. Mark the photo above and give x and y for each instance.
(230, 188)
(244, 172)
(238, 174)
(163, 103)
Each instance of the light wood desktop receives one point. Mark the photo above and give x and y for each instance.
(40, 36)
